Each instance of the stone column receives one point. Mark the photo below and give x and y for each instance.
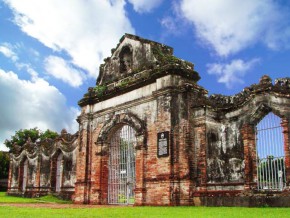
(248, 134)
(10, 173)
(37, 180)
(81, 183)
(104, 174)
(202, 165)
(140, 190)
(100, 184)
(285, 126)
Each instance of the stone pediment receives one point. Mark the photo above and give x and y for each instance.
(135, 62)
(132, 54)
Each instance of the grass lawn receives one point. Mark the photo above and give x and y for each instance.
(45, 199)
(136, 212)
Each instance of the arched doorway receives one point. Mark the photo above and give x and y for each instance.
(270, 154)
(121, 181)
(59, 169)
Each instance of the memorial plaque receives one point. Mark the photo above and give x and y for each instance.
(163, 144)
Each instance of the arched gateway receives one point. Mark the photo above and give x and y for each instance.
(121, 181)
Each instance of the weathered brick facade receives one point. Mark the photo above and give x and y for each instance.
(211, 157)
(33, 168)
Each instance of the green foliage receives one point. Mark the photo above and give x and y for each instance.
(12, 199)
(169, 59)
(44, 199)
(100, 90)
(48, 134)
(52, 199)
(123, 83)
(164, 58)
(21, 136)
(4, 165)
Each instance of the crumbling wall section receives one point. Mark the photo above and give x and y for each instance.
(230, 142)
(40, 170)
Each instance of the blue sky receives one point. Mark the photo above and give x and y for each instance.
(50, 50)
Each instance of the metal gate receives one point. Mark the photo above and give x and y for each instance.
(121, 182)
(270, 154)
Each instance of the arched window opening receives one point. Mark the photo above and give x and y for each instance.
(126, 60)
(121, 182)
(25, 175)
(59, 171)
(270, 154)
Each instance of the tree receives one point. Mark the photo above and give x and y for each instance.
(4, 164)
(48, 134)
(21, 136)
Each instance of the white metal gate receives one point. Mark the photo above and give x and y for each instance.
(270, 154)
(121, 183)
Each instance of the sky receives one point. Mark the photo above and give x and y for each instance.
(50, 50)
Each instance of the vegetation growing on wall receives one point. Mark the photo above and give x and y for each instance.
(100, 90)
(168, 58)
(21, 136)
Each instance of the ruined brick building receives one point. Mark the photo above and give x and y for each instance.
(150, 135)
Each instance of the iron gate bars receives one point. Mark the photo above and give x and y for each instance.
(121, 182)
(270, 154)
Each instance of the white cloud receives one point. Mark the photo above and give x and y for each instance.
(7, 50)
(230, 26)
(170, 24)
(26, 104)
(85, 30)
(142, 6)
(232, 73)
(60, 69)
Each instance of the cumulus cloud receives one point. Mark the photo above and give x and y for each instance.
(60, 69)
(84, 30)
(7, 50)
(28, 104)
(142, 6)
(230, 26)
(232, 73)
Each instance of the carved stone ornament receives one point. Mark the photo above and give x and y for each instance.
(129, 119)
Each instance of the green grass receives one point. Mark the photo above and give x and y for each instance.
(45, 199)
(52, 199)
(128, 212)
(145, 212)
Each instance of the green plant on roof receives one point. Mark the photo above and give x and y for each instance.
(100, 90)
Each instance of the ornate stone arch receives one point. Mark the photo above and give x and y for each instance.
(249, 132)
(261, 111)
(114, 123)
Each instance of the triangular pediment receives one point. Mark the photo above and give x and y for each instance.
(136, 62)
(132, 54)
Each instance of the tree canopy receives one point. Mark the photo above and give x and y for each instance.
(21, 136)
(4, 165)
